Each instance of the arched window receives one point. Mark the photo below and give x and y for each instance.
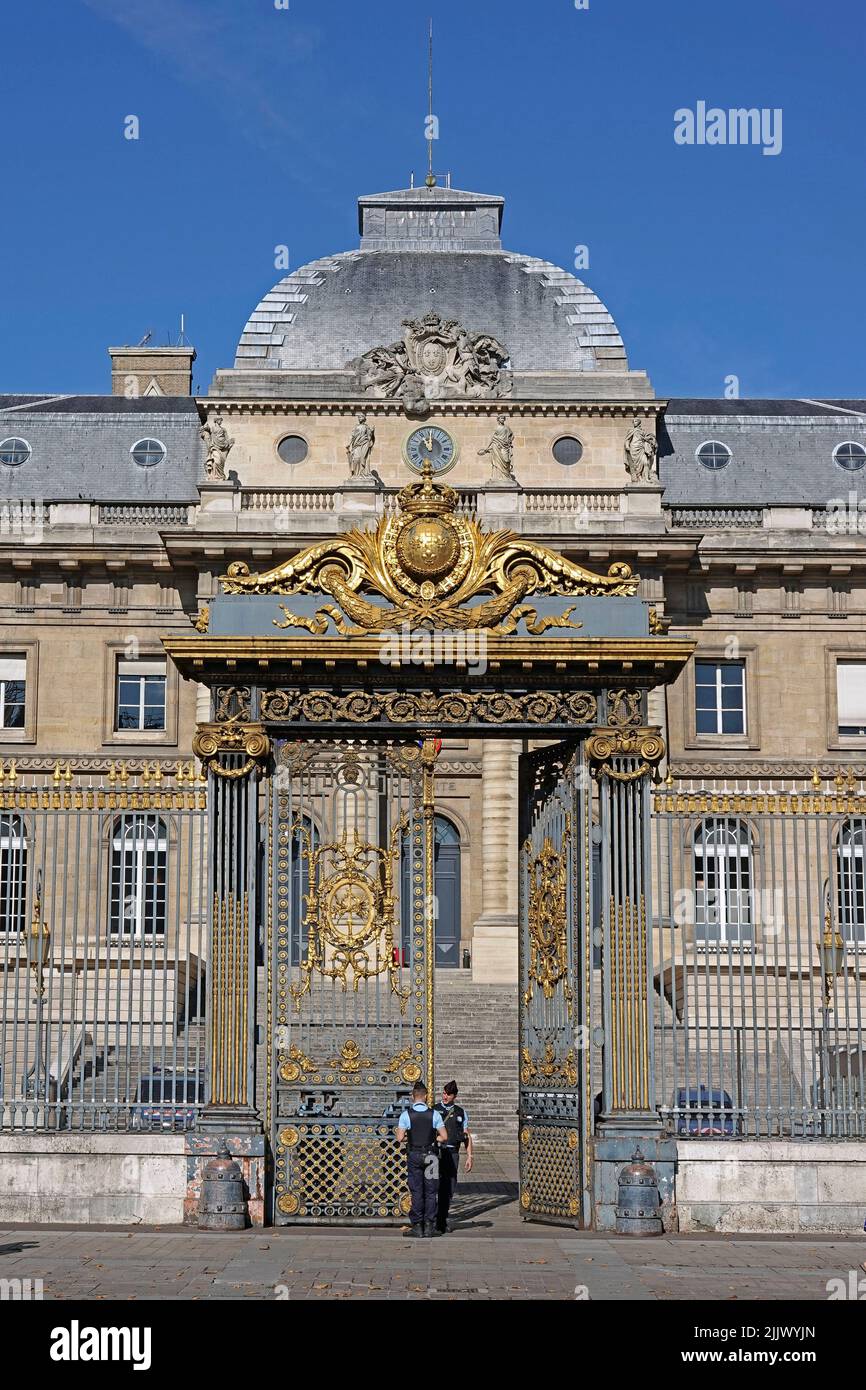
(13, 874)
(305, 838)
(139, 851)
(851, 885)
(446, 879)
(722, 852)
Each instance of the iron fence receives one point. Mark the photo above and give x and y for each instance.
(760, 959)
(103, 932)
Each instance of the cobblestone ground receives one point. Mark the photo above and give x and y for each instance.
(492, 1254)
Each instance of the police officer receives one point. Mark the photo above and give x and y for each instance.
(457, 1129)
(422, 1127)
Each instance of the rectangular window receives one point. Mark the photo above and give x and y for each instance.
(851, 697)
(12, 686)
(140, 695)
(720, 697)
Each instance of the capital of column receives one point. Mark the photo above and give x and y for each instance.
(641, 750)
(211, 741)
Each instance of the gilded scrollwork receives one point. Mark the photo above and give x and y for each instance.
(624, 708)
(548, 1068)
(350, 914)
(547, 918)
(404, 1063)
(643, 749)
(429, 563)
(426, 706)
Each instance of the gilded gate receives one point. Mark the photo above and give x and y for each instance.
(351, 971)
(555, 916)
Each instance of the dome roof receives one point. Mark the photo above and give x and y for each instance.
(430, 249)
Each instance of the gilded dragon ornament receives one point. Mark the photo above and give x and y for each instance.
(428, 562)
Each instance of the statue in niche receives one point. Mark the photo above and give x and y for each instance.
(500, 451)
(218, 444)
(359, 448)
(640, 453)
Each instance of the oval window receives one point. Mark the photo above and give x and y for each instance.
(14, 452)
(568, 450)
(147, 452)
(293, 449)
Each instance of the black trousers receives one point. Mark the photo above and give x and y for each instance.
(423, 1175)
(449, 1160)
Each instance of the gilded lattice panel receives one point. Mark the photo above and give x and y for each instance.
(328, 1171)
(550, 1171)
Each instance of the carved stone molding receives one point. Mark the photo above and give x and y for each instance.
(606, 747)
(212, 741)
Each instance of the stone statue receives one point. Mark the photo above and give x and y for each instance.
(359, 448)
(219, 444)
(501, 451)
(437, 360)
(640, 453)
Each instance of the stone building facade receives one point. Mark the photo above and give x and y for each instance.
(116, 527)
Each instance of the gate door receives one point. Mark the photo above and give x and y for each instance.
(351, 956)
(555, 908)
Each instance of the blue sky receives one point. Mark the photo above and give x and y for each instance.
(261, 126)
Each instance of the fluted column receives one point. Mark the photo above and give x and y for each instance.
(494, 942)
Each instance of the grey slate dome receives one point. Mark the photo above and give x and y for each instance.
(422, 250)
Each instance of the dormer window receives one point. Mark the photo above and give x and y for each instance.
(713, 454)
(850, 456)
(14, 451)
(148, 452)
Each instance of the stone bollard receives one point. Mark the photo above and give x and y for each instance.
(638, 1208)
(222, 1206)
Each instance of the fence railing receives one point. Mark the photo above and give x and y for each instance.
(760, 960)
(103, 932)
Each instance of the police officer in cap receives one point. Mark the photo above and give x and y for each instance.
(457, 1129)
(424, 1129)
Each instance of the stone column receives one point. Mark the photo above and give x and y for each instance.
(494, 941)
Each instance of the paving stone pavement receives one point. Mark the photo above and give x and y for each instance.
(493, 1254)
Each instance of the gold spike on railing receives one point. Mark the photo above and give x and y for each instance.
(57, 774)
(157, 773)
(124, 774)
(112, 774)
(13, 771)
(145, 775)
(180, 774)
(67, 775)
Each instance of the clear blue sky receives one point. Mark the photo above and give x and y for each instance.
(261, 126)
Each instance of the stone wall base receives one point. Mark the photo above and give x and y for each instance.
(771, 1185)
(118, 1179)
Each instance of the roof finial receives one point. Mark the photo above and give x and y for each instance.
(431, 177)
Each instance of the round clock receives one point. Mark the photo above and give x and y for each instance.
(433, 443)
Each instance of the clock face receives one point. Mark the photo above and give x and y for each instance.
(433, 443)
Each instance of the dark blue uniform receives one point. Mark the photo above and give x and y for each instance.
(456, 1123)
(422, 1160)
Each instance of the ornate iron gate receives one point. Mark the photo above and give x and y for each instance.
(351, 954)
(556, 962)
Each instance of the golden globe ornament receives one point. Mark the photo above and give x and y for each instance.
(428, 548)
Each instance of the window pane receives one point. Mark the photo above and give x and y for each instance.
(732, 722)
(706, 721)
(732, 674)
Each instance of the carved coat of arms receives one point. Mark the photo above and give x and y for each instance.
(436, 359)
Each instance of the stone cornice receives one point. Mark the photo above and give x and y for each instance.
(352, 405)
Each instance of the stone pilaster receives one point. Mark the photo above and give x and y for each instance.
(494, 941)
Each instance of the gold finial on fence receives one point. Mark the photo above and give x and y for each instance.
(816, 780)
(57, 774)
(202, 773)
(2, 774)
(13, 771)
(157, 773)
(67, 775)
(145, 774)
(124, 774)
(839, 781)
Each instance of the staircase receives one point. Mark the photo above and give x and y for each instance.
(476, 1044)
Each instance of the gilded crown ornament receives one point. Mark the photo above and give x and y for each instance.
(428, 562)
